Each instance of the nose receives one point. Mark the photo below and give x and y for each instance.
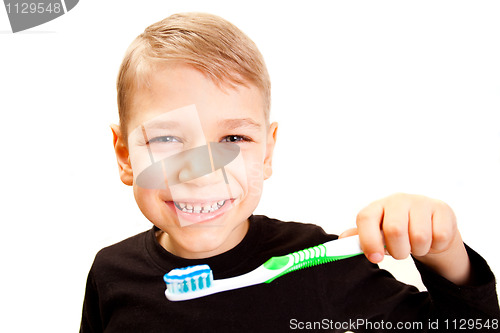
(195, 163)
(198, 163)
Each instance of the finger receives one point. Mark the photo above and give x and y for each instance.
(395, 228)
(349, 232)
(420, 229)
(444, 228)
(370, 237)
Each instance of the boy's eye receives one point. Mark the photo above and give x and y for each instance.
(163, 139)
(235, 138)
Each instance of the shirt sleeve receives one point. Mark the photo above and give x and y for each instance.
(91, 318)
(476, 301)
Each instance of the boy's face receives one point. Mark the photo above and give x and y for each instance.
(197, 157)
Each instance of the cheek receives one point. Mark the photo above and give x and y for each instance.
(139, 160)
(255, 179)
(255, 171)
(247, 170)
(148, 201)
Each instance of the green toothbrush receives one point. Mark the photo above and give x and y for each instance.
(197, 281)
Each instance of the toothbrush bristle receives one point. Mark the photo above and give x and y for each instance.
(309, 257)
(187, 279)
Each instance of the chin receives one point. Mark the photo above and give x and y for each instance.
(195, 241)
(202, 249)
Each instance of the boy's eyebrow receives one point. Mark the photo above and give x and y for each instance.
(231, 124)
(160, 123)
(228, 124)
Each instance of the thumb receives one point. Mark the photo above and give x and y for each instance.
(349, 232)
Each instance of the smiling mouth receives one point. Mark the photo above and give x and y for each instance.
(197, 208)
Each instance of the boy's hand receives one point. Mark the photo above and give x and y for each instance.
(414, 224)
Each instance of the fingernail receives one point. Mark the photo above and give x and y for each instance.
(375, 257)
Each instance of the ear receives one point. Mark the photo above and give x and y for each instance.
(271, 141)
(122, 156)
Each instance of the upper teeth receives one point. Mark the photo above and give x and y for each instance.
(207, 207)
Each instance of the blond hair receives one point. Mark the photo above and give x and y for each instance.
(207, 42)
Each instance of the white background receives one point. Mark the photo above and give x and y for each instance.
(372, 97)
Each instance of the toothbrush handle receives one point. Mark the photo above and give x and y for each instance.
(348, 246)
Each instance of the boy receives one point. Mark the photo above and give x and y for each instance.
(196, 144)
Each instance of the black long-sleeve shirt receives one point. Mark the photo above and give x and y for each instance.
(125, 291)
